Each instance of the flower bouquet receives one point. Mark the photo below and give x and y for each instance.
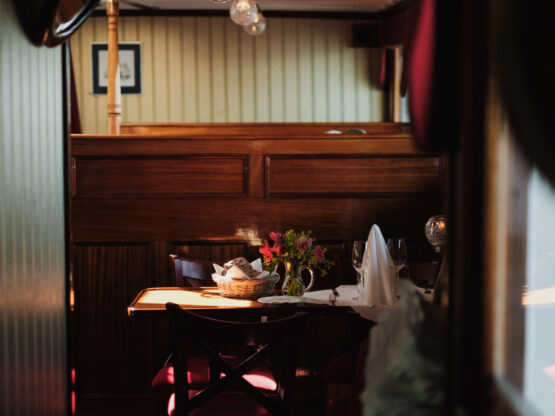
(298, 252)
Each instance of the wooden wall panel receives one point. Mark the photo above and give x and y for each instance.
(116, 356)
(218, 253)
(251, 220)
(33, 275)
(150, 177)
(206, 69)
(337, 187)
(351, 175)
(376, 178)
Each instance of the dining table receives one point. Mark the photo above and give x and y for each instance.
(333, 325)
(338, 322)
(151, 302)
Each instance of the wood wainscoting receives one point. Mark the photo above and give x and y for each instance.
(136, 198)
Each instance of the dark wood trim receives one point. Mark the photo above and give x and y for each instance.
(462, 82)
(349, 195)
(346, 15)
(72, 177)
(72, 347)
(399, 8)
(163, 145)
(267, 166)
(353, 156)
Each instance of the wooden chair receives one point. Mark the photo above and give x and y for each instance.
(191, 273)
(230, 392)
(187, 273)
(423, 274)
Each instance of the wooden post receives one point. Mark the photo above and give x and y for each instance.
(392, 94)
(396, 84)
(114, 92)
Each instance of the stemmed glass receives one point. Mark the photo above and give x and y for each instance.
(359, 247)
(398, 250)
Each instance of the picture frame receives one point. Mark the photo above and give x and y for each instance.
(129, 63)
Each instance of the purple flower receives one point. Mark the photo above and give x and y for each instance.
(303, 243)
(319, 254)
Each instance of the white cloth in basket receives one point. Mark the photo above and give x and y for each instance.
(235, 273)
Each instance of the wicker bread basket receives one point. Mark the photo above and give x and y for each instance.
(247, 289)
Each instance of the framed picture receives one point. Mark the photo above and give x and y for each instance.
(129, 66)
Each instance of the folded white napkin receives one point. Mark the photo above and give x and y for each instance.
(378, 271)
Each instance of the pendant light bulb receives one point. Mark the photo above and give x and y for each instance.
(243, 12)
(256, 27)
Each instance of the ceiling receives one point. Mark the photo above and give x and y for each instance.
(369, 6)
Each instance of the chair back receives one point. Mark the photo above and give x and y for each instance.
(422, 273)
(191, 273)
(275, 340)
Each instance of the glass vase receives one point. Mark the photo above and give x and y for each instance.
(293, 284)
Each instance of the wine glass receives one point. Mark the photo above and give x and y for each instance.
(359, 247)
(398, 250)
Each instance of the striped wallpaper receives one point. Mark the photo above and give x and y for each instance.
(32, 249)
(206, 69)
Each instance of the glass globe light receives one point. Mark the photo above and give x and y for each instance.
(435, 231)
(256, 27)
(243, 12)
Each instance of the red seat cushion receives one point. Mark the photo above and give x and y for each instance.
(261, 377)
(198, 373)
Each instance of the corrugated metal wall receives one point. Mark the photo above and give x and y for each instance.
(206, 69)
(32, 266)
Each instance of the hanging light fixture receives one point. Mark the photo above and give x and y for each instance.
(243, 12)
(257, 27)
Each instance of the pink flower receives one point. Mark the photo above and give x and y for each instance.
(275, 236)
(279, 249)
(319, 254)
(267, 251)
(303, 243)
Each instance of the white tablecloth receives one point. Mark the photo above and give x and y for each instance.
(348, 296)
